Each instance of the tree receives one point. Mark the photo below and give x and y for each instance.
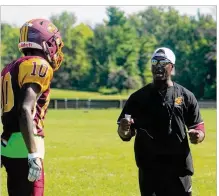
(76, 65)
(116, 16)
(116, 54)
(9, 43)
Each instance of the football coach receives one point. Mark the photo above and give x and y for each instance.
(159, 115)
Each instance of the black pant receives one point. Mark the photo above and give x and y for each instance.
(163, 183)
(17, 178)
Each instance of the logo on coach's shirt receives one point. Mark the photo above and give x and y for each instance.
(178, 101)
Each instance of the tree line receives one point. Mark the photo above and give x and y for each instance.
(114, 56)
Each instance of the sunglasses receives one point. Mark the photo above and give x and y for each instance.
(161, 62)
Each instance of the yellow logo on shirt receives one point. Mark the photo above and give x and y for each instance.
(178, 100)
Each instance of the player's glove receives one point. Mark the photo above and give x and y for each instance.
(35, 167)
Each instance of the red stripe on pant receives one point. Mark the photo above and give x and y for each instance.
(38, 186)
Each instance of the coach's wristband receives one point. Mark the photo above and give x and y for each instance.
(33, 155)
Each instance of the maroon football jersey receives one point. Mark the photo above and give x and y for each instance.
(29, 69)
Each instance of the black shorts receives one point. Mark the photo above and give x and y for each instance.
(17, 173)
(164, 184)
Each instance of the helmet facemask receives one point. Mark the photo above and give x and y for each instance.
(55, 59)
(58, 57)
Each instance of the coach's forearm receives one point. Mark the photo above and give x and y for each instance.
(26, 127)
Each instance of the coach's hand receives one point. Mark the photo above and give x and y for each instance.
(196, 136)
(124, 127)
(35, 167)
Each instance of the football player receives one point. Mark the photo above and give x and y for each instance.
(25, 90)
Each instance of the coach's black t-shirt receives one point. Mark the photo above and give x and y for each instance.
(160, 119)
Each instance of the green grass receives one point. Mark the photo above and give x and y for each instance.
(85, 156)
(73, 94)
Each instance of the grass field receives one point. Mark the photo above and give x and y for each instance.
(85, 157)
(72, 94)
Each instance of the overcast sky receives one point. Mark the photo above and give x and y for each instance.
(87, 14)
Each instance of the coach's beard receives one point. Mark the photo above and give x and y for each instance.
(160, 78)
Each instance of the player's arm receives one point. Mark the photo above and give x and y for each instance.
(34, 78)
(27, 100)
(28, 96)
(194, 121)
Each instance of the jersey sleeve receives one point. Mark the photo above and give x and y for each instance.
(35, 70)
(193, 115)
